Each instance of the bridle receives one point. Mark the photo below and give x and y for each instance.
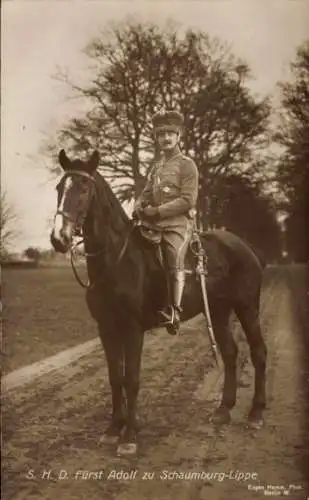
(70, 173)
(73, 246)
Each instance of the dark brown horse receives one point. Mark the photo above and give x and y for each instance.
(128, 287)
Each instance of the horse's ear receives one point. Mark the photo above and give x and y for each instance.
(93, 162)
(64, 160)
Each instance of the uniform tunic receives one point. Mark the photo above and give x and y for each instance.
(173, 188)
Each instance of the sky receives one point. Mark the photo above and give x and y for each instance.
(38, 36)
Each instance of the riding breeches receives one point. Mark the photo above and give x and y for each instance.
(175, 245)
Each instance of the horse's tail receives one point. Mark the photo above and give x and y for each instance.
(260, 255)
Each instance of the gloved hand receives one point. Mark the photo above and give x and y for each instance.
(150, 212)
(139, 211)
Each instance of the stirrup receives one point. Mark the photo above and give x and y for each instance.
(170, 322)
(166, 318)
(172, 329)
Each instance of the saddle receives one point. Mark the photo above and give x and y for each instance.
(149, 233)
(153, 237)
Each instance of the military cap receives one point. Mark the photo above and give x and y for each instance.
(167, 120)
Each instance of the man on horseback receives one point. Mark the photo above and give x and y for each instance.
(169, 195)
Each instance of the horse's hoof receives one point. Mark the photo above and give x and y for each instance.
(255, 424)
(126, 449)
(221, 416)
(255, 420)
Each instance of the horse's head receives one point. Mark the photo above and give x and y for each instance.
(75, 191)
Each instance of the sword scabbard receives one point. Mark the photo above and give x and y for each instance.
(210, 331)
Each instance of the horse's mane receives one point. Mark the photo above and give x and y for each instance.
(107, 197)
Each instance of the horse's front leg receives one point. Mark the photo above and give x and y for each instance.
(114, 353)
(134, 338)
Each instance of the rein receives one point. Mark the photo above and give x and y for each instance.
(86, 254)
(94, 254)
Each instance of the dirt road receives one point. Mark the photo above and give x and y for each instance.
(52, 427)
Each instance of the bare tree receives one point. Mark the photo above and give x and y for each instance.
(8, 219)
(140, 68)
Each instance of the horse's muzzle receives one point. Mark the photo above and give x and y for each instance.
(61, 244)
(62, 232)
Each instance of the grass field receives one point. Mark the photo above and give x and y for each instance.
(44, 311)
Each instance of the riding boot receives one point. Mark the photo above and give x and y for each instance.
(170, 317)
(179, 279)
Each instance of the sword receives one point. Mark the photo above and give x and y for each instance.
(201, 271)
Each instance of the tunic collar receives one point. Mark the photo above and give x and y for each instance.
(172, 154)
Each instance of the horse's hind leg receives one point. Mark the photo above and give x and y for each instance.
(113, 349)
(220, 315)
(248, 315)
